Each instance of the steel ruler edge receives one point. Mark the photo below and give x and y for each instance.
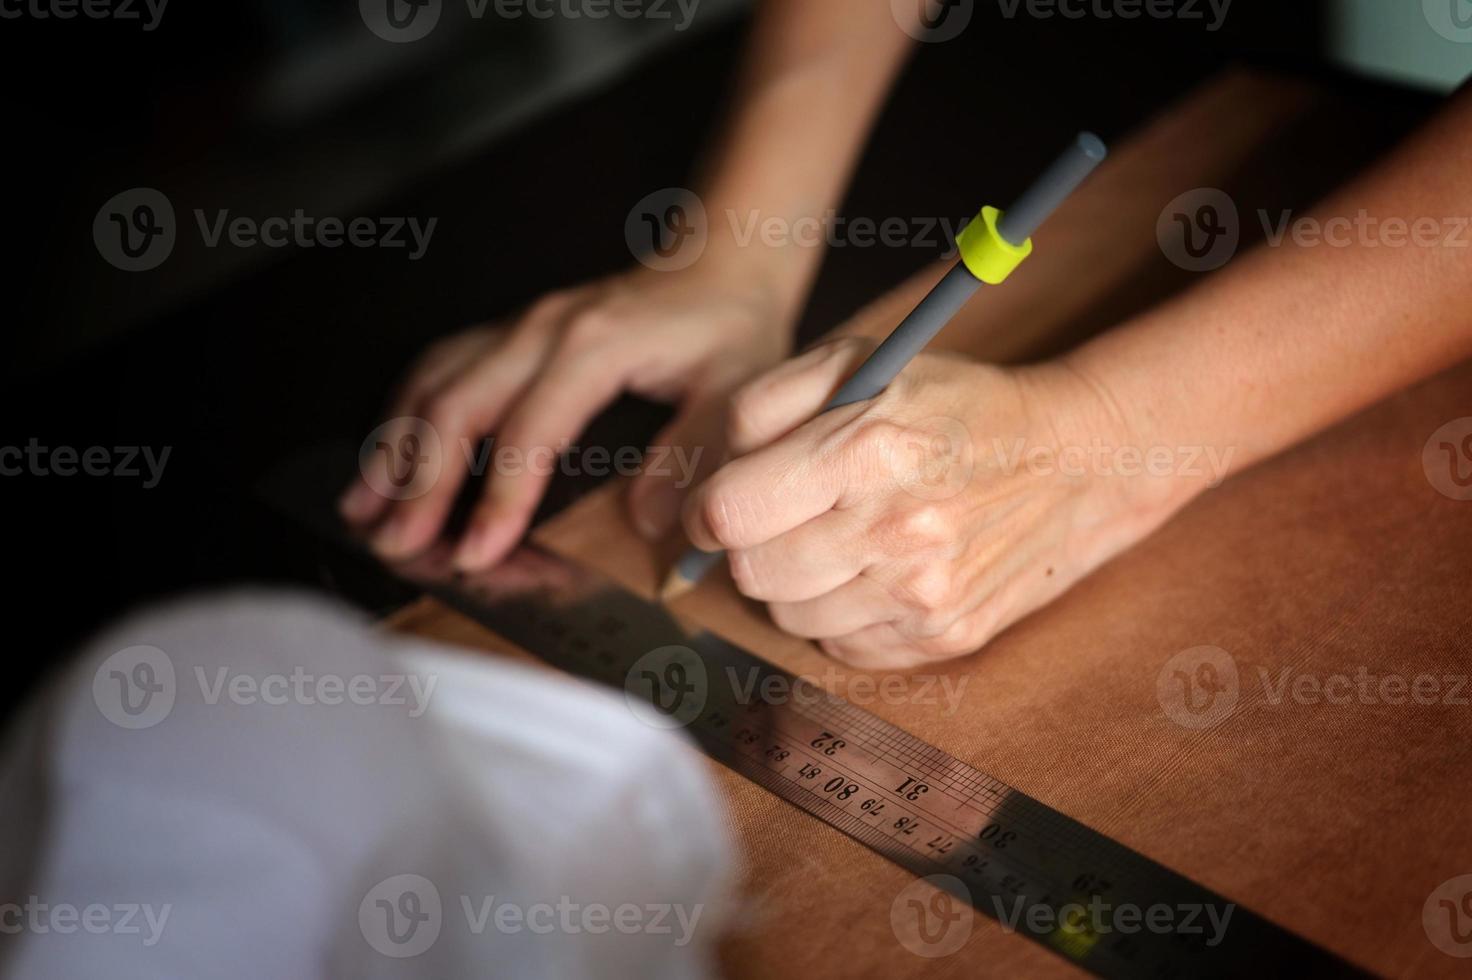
(1036, 871)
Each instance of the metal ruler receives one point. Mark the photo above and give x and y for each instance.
(1041, 874)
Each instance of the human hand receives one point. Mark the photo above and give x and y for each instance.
(916, 526)
(690, 337)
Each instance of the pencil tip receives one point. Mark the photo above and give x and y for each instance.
(675, 585)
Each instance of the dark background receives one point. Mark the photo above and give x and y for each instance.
(529, 148)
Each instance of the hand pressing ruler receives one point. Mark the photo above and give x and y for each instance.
(1089, 899)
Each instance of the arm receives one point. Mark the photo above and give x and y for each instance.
(814, 76)
(918, 525)
(1292, 338)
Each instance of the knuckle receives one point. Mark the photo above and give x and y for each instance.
(952, 642)
(867, 445)
(918, 528)
(590, 328)
(878, 437)
(446, 408)
(744, 414)
(928, 591)
(547, 305)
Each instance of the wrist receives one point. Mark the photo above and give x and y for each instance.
(1115, 439)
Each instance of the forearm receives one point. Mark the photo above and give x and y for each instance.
(1292, 338)
(815, 74)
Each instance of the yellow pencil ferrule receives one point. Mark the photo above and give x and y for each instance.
(989, 256)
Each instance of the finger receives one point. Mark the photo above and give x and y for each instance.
(817, 468)
(774, 404)
(681, 456)
(460, 414)
(807, 562)
(362, 503)
(857, 605)
(892, 646)
(880, 646)
(555, 409)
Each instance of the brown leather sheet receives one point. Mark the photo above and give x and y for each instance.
(1335, 818)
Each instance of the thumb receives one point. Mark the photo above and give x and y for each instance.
(777, 403)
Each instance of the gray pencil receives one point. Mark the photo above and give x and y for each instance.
(1015, 227)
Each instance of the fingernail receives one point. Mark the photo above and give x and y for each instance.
(357, 503)
(655, 509)
(470, 556)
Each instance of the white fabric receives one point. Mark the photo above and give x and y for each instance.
(255, 839)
